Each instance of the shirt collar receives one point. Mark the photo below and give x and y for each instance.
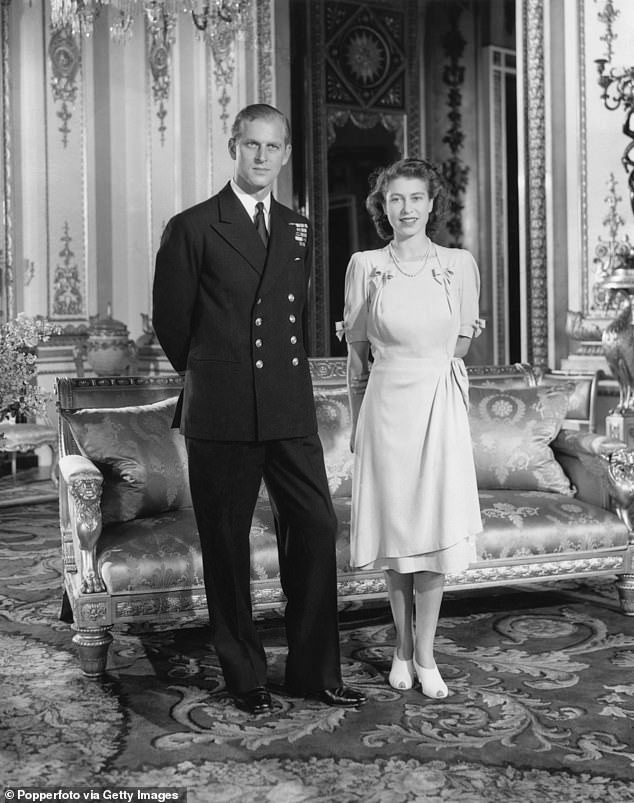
(249, 202)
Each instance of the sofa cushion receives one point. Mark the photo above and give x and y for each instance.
(511, 430)
(156, 553)
(334, 426)
(528, 524)
(162, 553)
(143, 460)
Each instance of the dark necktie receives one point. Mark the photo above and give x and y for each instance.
(260, 223)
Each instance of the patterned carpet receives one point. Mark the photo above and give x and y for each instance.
(541, 704)
(29, 486)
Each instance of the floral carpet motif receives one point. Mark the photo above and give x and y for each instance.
(34, 485)
(540, 709)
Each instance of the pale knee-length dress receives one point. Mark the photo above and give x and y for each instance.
(414, 494)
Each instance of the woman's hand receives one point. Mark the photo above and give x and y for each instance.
(358, 371)
(462, 346)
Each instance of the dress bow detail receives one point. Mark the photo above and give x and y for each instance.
(380, 274)
(444, 275)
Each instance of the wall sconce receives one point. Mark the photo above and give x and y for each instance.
(617, 90)
(621, 95)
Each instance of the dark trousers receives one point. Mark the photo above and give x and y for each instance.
(225, 480)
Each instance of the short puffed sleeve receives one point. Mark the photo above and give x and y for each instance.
(470, 322)
(355, 310)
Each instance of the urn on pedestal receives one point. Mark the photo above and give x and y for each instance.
(109, 350)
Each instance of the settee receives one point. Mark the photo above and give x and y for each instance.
(554, 497)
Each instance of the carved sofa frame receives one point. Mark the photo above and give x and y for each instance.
(587, 460)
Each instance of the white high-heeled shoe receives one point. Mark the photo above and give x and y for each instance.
(432, 684)
(401, 674)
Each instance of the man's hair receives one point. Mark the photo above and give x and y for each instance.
(409, 168)
(260, 111)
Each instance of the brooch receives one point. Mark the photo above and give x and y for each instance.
(301, 232)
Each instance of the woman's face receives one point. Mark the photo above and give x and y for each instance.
(407, 206)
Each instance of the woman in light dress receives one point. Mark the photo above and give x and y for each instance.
(411, 309)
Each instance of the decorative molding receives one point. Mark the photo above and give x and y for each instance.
(223, 49)
(607, 17)
(336, 118)
(91, 613)
(176, 382)
(500, 63)
(535, 127)
(65, 56)
(499, 220)
(161, 603)
(583, 152)
(327, 369)
(551, 569)
(453, 169)
(613, 253)
(414, 144)
(67, 289)
(264, 36)
(317, 179)
(364, 55)
(7, 277)
(373, 584)
(160, 26)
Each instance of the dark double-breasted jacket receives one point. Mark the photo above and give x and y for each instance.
(232, 315)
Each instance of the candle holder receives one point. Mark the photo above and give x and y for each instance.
(617, 92)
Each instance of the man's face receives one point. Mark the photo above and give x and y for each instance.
(259, 152)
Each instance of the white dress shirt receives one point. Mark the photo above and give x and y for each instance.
(249, 202)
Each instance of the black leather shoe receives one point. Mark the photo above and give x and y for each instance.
(256, 701)
(343, 696)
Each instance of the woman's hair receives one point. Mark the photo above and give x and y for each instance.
(409, 168)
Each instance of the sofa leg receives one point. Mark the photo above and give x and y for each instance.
(92, 647)
(625, 587)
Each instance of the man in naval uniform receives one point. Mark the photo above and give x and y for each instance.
(229, 309)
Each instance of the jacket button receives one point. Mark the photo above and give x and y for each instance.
(258, 343)
(291, 318)
(258, 321)
(259, 364)
(293, 340)
(291, 297)
(259, 301)
(295, 361)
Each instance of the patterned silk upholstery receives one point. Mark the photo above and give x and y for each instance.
(143, 460)
(153, 553)
(130, 546)
(161, 553)
(334, 423)
(511, 430)
(522, 486)
(518, 524)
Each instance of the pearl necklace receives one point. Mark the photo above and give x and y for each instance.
(397, 262)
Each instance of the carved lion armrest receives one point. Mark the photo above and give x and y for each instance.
(600, 467)
(80, 509)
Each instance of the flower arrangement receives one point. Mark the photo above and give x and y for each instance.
(19, 393)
